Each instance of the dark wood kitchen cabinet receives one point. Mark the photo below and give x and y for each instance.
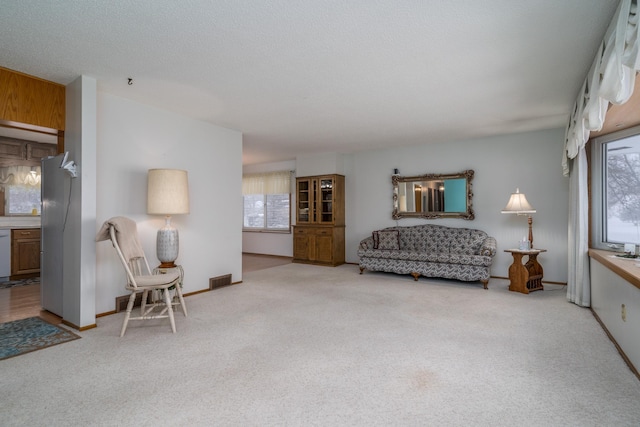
(25, 252)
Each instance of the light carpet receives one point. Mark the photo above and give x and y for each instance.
(301, 345)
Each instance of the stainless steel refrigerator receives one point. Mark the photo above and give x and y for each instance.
(54, 191)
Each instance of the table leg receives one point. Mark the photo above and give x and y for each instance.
(518, 275)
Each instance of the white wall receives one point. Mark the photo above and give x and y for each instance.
(133, 138)
(530, 161)
(280, 244)
(79, 263)
(320, 164)
(608, 292)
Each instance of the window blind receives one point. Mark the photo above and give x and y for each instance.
(267, 183)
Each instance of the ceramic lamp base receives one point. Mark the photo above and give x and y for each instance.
(167, 245)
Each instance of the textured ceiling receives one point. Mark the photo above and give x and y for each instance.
(308, 76)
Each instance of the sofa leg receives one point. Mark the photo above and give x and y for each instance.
(485, 283)
(361, 270)
(415, 276)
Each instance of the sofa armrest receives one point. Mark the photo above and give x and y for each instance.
(489, 247)
(366, 243)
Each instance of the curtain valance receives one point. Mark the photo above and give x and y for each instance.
(20, 175)
(611, 79)
(267, 183)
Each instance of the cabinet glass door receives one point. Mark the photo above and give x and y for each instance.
(304, 201)
(314, 202)
(326, 201)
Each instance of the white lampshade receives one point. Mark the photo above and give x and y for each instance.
(168, 192)
(518, 204)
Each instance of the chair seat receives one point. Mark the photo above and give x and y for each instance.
(154, 281)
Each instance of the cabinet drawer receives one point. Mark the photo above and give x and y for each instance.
(25, 233)
(316, 231)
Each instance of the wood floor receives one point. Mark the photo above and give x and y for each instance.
(21, 302)
(254, 262)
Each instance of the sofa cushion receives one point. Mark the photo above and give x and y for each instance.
(386, 240)
(434, 257)
(406, 239)
(466, 241)
(432, 238)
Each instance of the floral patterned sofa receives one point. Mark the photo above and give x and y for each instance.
(430, 250)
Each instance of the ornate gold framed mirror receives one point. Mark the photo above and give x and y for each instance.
(433, 196)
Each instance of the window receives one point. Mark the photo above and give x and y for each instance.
(267, 201)
(22, 200)
(616, 189)
(21, 186)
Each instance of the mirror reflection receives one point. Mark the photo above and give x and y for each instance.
(433, 196)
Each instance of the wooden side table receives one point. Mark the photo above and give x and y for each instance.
(528, 277)
(165, 270)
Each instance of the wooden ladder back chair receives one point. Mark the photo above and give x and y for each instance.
(139, 278)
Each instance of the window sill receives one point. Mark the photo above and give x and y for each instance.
(249, 230)
(628, 269)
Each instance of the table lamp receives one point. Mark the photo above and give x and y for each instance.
(518, 205)
(167, 194)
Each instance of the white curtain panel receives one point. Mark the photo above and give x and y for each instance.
(610, 80)
(579, 290)
(267, 183)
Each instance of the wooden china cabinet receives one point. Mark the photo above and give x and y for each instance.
(319, 231)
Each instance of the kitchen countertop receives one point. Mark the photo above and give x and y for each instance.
(9, 222)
